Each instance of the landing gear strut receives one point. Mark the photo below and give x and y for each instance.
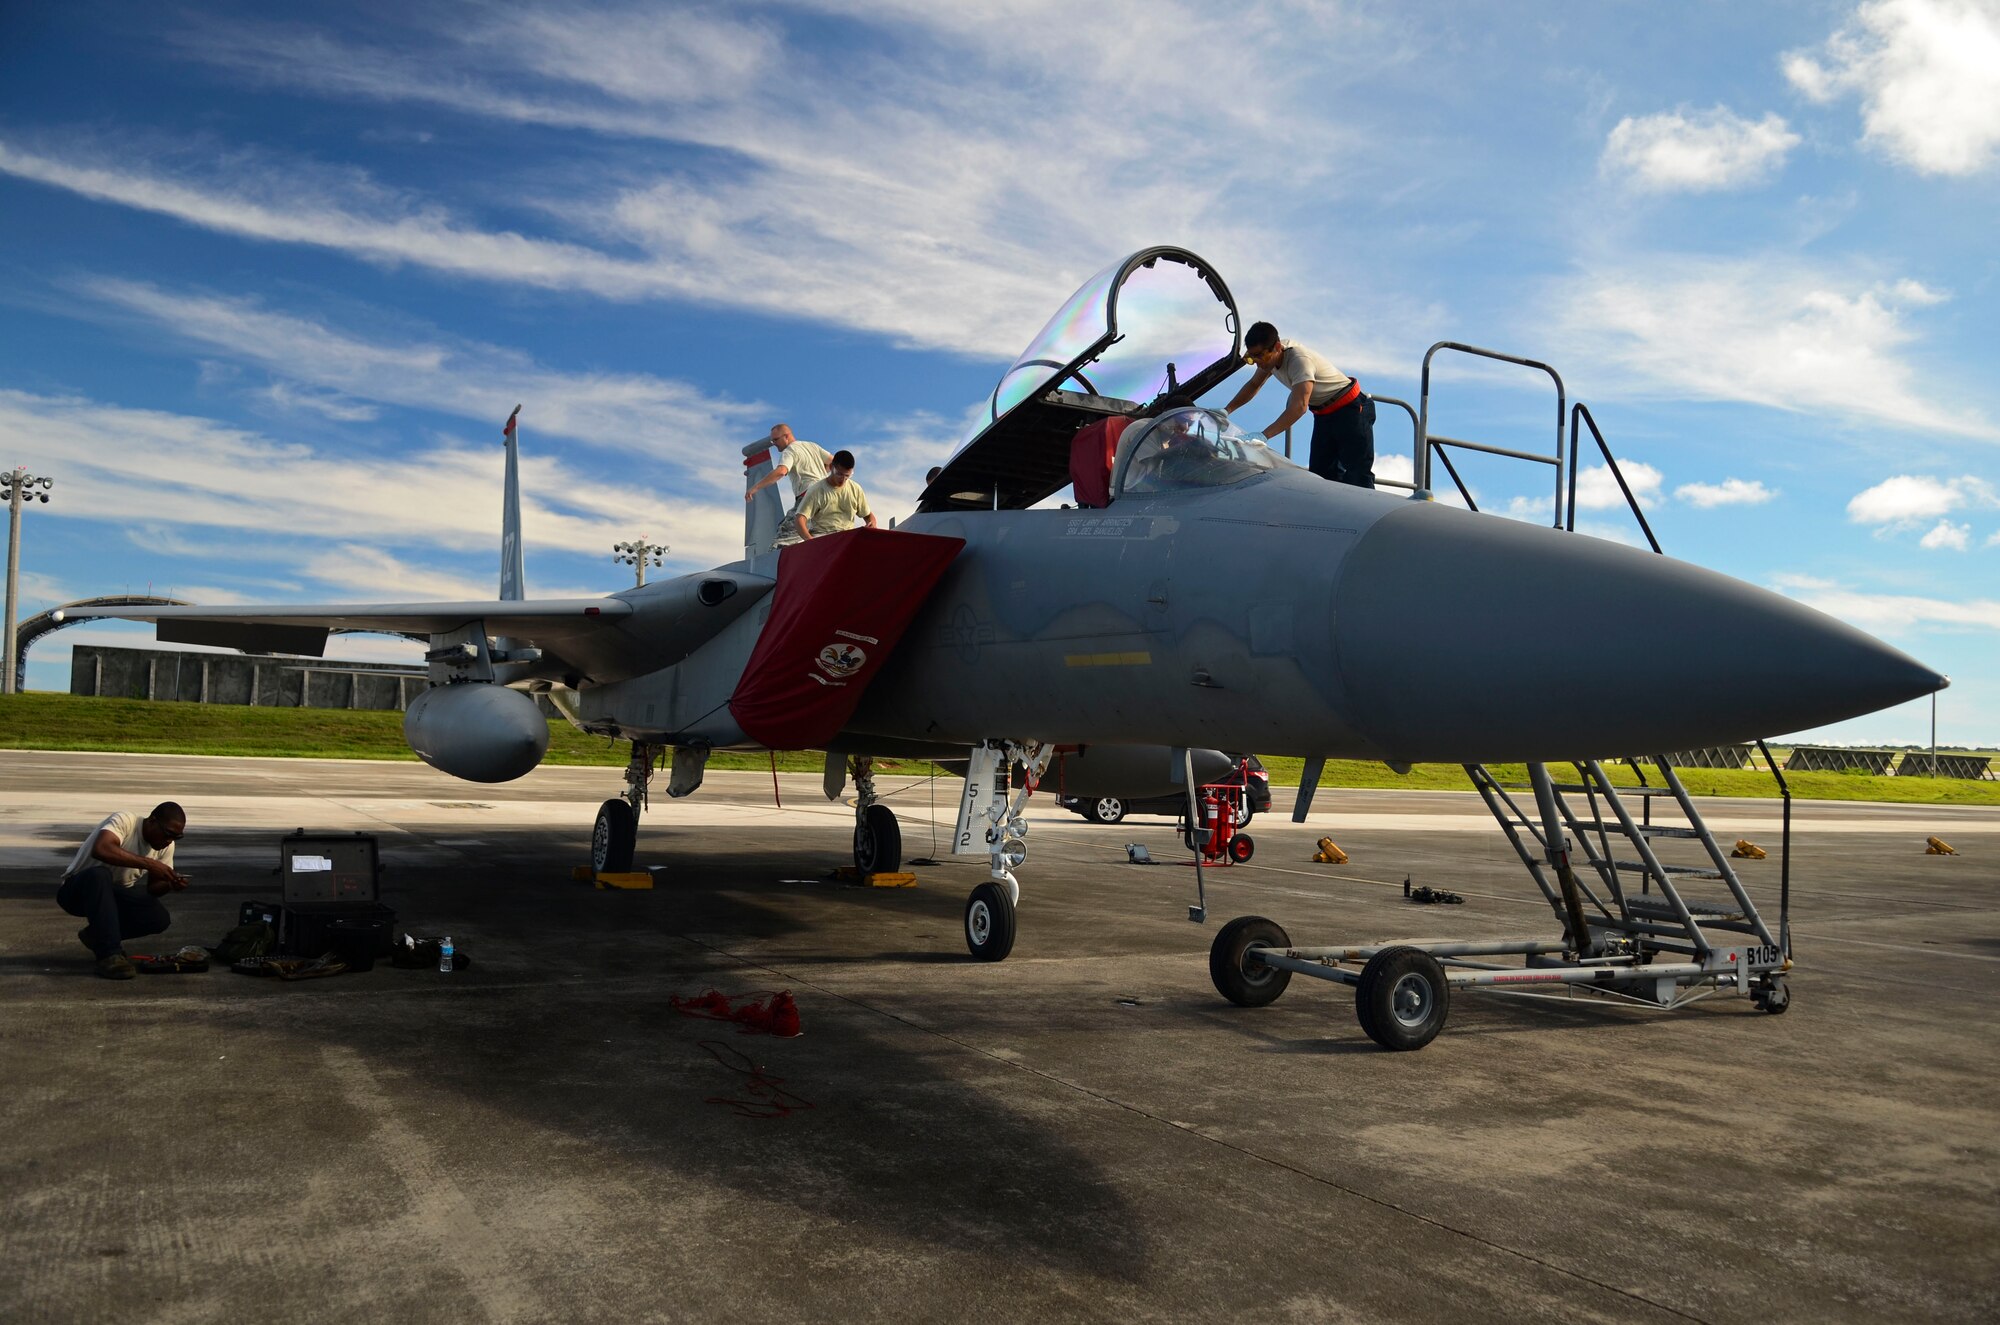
(989, 911)
(878, 838)
(616, 833)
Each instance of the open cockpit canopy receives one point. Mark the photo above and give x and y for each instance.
(1151, 331)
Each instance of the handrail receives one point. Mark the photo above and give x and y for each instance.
(1581, 413)
(1784, 856)
(1422, 457)
(1415, 432)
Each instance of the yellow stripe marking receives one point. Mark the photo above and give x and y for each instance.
(1139, 659)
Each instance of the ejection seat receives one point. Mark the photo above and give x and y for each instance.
(1091, 454)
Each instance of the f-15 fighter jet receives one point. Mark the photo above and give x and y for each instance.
(1213, 596)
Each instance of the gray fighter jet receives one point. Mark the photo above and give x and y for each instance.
(1210, 596)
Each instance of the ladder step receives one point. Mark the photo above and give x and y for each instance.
(1647, 830)
(1691, 871)
(1647, 905)
(1581, 788)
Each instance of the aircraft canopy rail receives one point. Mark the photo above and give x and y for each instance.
(1153, 330)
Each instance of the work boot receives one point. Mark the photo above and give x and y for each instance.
(116, 967)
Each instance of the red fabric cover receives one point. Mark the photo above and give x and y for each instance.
(1091, 452)
(842, 602)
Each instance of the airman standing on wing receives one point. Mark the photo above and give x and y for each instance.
(805, 463)
(1343, 439)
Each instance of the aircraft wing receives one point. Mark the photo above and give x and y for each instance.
(301, 628)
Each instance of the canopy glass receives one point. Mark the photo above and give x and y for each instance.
(1120, 332)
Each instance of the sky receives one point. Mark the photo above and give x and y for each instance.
(272, 277)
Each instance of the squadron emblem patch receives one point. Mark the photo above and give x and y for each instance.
(841, 660)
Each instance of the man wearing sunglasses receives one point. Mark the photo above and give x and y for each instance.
(1343, 438)
(116, 881)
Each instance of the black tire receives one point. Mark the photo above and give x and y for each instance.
(613, 838)
(878, 842)
(1243, 982)
(1773, 998)
(989, 923)
(1104, 810)
(1403, 998)
(1241, 848)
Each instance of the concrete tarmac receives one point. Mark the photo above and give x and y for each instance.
(1086, 1131)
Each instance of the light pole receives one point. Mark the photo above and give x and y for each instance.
(639, 554)
(17, 486)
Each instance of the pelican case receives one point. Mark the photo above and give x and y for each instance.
(329, 878)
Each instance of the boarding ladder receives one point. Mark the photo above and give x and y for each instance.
(1625, 898)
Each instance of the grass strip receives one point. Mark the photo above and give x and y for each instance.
(48, 720)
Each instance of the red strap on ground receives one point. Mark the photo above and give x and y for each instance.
(776, 1014)
(842, 603)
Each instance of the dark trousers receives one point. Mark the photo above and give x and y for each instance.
(115, 913)
(1343, 445)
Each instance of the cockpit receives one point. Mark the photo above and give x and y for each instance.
(1187, 448)
(1141, 340)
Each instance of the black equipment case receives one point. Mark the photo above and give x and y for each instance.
(331, 877)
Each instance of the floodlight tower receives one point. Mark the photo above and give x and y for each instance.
(638, 554)
(18, 486)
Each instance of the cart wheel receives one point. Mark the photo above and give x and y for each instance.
(1774, 997)
(878, 842)
(1402, 998)
(1241, 848)
(1105, 810)
(989, 923)
(613, 837)
(1244, 982)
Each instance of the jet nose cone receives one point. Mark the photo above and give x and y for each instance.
(1469, 638)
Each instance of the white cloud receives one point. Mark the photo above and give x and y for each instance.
(1885, 613)
(1697, 151)
(1729, 492)
(1928, 76)
(945, 186)
(1906, 500)
(1948, 535)
(282, 505)
(1993, 539)
(617, 411)
(1597, 489)
(1768, 330)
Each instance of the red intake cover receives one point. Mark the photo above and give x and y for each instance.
(842, 603)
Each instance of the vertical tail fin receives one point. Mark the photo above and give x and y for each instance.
(513, 576)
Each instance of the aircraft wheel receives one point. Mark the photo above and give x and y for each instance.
(989, 923)
(612, 840)
(1403, 998)
(878, 842)
(1244, 982)
(1241, 848)
(1106, 810)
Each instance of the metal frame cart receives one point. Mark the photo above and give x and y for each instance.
(1632, 934)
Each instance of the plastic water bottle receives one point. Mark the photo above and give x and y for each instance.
(444, 954)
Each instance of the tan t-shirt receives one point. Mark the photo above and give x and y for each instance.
(826, 509)
(805, 464)
(127, 825)
(1300, 364)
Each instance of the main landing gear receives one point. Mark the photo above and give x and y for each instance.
(989, 911)
(616, 832)
(878, 838)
